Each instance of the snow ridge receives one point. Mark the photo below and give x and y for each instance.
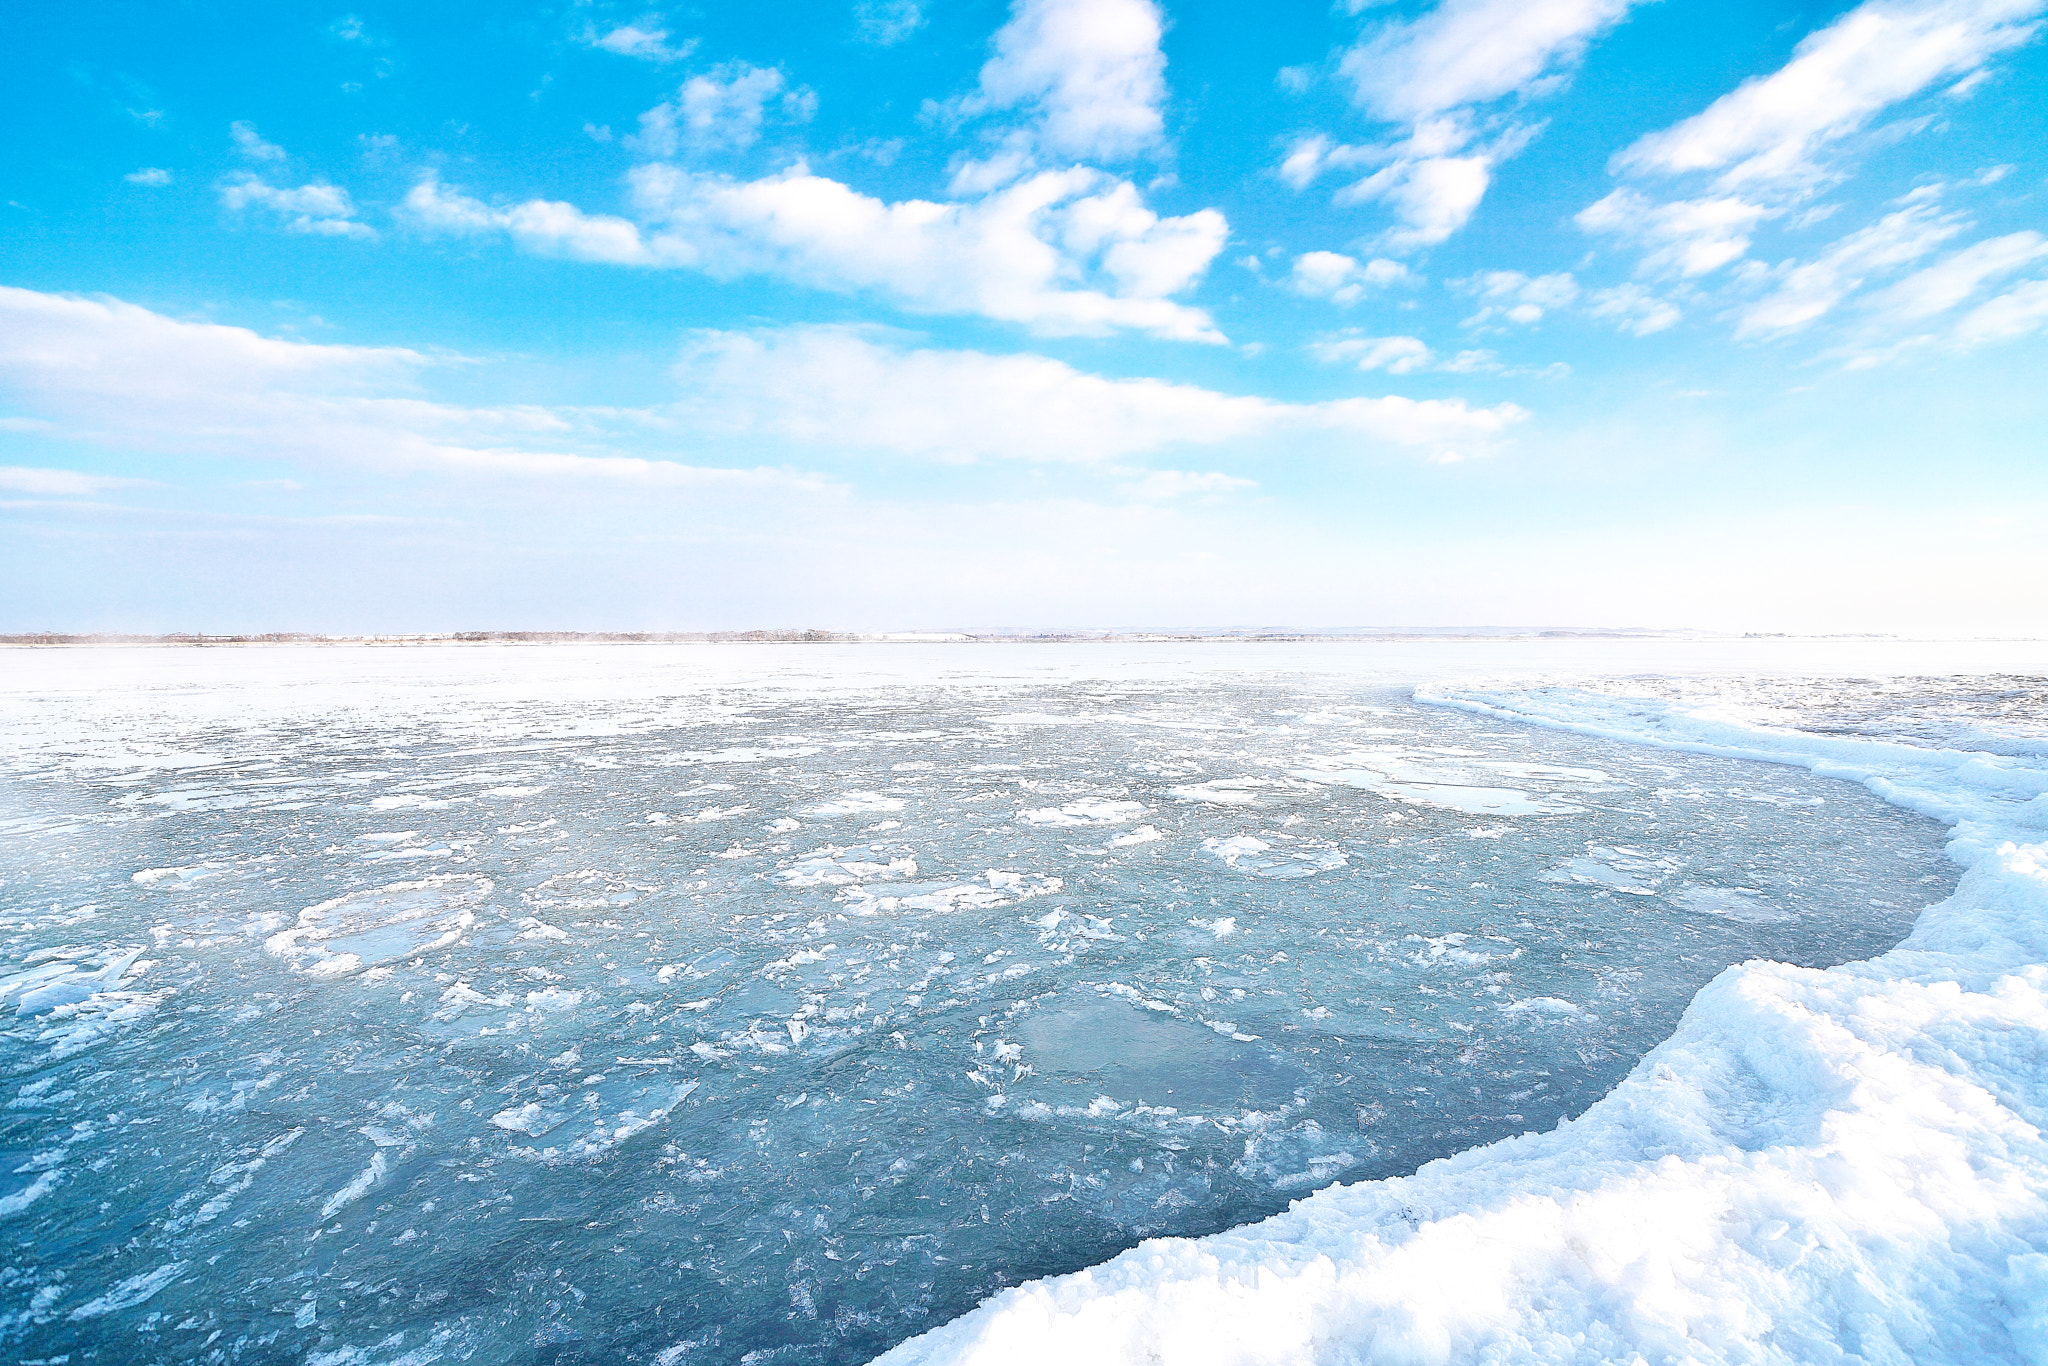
(1838, 1165)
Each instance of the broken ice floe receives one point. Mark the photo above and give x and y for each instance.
(381, 924)
(1090, 811)
(1457, 780)
(1629, 871)
(1248, 854)
(1743, 904)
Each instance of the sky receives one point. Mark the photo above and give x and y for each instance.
(929, 314)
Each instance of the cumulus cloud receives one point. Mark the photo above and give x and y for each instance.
(644, 38)
(1403, 355)
(1310, 156)
(1073, 251)
(546, 227)
(1089, 71)
(148, 175)
(349, 29)
(1058, 249)
(845, 388)
(1395, 355)
(1444, 75)
(1400, 355)
(320, 210)
(1688, 237)
(1344, 279)
(251, 144)
(1771, 129)
(1433, 196)
(885, 23)
(723, 109)
(1514, 297)
(1633, 309)
(1471, 52)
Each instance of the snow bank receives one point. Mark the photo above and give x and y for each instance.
(1839, 1165)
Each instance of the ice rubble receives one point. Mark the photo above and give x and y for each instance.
(1819, 1165)
(804, 1048)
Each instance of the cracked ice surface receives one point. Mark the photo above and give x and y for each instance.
(698, 1016)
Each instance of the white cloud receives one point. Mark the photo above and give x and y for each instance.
(148, 175)
(108, 372)
(543, 226)
(111, 373)
(840, 388)
(1433, 196)
(1484, 362)
(1395, 355)
(61, 483)
(538, 499)
(1807, 291)
(887, 22)
(723, 109)
(1514, 296)
(1308, 158)
(1074, 252)
(1399, 355)
(251, 145)
(1437, 74)
(1470, 52)
(321, 210)
(2010, 315)
(1405, 355)
(1315, 154)
(1766, 146)
(1160, 485)
(644, 38)
(1344, 279)
(974, 176)
(1955, 278)
(1090, 72)
(1772, 128)
(1633, 309)
(1688, 237)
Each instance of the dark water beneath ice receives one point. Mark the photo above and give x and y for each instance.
(742, 1027)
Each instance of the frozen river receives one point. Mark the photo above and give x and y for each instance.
(686, 1005)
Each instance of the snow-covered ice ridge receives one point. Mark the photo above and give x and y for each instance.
(1819, 1165)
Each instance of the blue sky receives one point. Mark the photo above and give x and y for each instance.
(921, 313)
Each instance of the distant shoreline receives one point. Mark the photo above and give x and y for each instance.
(823, 637)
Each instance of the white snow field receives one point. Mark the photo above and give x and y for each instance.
(375, 1006)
